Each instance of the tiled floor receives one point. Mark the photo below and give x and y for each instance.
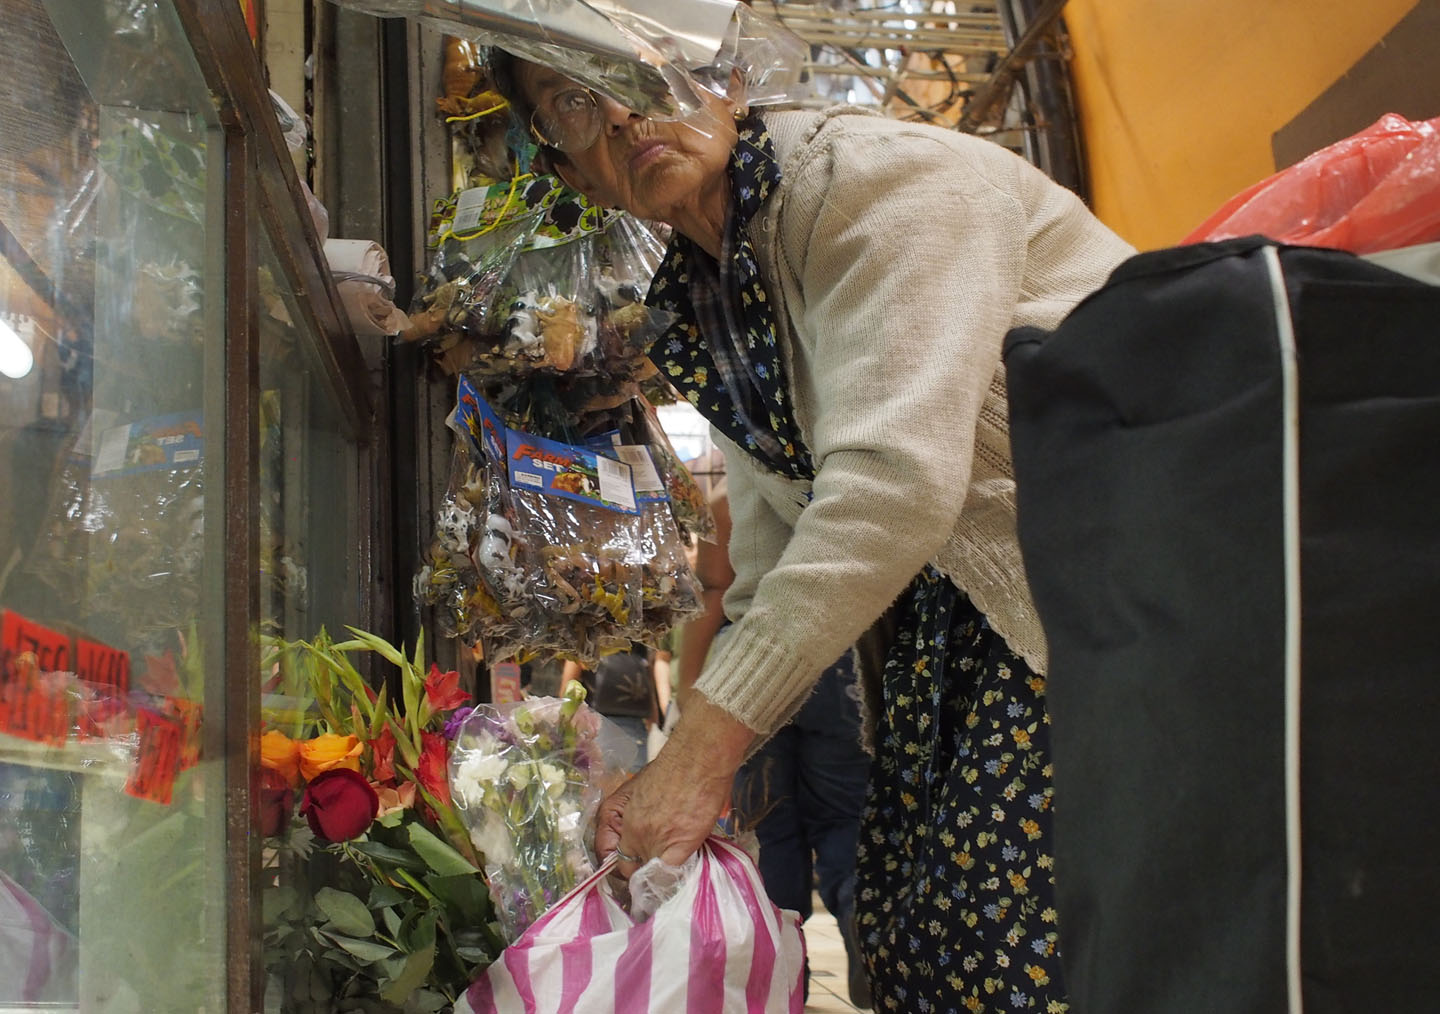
(828, 991)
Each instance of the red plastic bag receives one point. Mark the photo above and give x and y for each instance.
(1376, 190)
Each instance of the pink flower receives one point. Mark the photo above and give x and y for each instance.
(392, 799)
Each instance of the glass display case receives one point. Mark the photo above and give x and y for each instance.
(183, 434)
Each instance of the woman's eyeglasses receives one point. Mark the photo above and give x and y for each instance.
(568, 120)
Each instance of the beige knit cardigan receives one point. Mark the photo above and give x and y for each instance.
(899, 256)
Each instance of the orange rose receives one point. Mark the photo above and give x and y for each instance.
(281, 754)
(328, 752)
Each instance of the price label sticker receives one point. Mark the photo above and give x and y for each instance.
(505, 683)
(19, 636)
(102, 665)
(157, 761)
(642, 466)
(616, 485)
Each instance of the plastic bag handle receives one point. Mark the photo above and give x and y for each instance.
(579, 890)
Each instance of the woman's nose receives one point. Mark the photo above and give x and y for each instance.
(613, 114)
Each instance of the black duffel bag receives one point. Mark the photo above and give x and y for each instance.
(1228, 473)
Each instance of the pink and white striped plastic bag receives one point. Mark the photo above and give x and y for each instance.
(717, 946)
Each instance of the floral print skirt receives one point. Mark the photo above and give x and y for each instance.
(955, 899)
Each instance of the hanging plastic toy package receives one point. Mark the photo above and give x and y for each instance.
(687, 500)
(543, 319)
(502, 609)
(670, 592)
(573, 301)
(448, 582)
(577, 512)
(571, 351)
(476, 235)
(627, 255)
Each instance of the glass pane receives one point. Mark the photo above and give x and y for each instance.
(308, 535)
(111, 342)
(308, 475)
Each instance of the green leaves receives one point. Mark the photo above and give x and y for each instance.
(347, 913)
(400, 920)
(439, 856)
(367, 951)
(398, 858)
(417, 966)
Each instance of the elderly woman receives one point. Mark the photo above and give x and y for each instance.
(844, 283)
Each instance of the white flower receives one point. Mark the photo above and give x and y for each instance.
(520, 774)
(492, 838)
(554, 780)
(475, 774)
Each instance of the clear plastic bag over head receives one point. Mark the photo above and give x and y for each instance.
(653, 56)
(526, 778)
(680, 959)
(1376, 190)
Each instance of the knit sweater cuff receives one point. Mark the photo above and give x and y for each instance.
(755, 679)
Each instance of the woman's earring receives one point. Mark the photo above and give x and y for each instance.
(739, 113)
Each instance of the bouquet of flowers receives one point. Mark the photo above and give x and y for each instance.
(375, 899)
(526, 778)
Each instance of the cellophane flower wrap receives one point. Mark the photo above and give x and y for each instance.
(526, 778)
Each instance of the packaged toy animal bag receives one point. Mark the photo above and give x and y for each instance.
(716, 945)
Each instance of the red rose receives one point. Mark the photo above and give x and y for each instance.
(339, 804)
(442, 689)
(382, 749)
(275, 802)
(431, 771)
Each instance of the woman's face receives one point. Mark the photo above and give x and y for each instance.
(656, 169)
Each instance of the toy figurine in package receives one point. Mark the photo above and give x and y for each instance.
(578, 512)
(573, 299)
(476, 235)
(545, 547)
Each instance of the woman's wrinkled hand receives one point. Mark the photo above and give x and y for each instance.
(670, 807)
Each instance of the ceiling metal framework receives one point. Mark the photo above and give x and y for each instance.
(992, 67)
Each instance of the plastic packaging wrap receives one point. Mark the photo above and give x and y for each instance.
(577, 514)
(526, 778)
(656, 57)
(575, 303)
(548, 548)
(449, 581)
(670, 593)
(688, 503)
(136, 512)
(476, 234)
(297, 138)
(1376, 190)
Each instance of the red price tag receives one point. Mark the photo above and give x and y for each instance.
(19, 635)
(158, 761)
(35, 706)
(102, 665)
(189, 713)
(505, 683)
